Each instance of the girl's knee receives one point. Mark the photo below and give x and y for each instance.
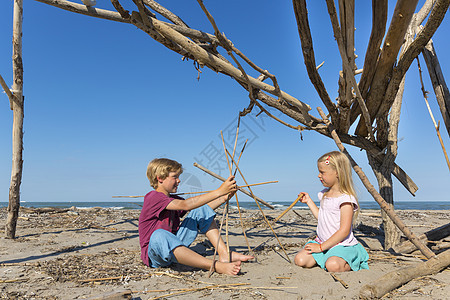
(337, 264)
(302, 259)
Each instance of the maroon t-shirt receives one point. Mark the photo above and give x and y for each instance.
(154, 215)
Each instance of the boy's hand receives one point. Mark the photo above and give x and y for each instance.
(228, 186)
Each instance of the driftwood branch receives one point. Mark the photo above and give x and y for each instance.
(432, 235)
(436, 126)
(165, 13)
(301, 15)
(7, 91)
(389, 211)
(347, 68)
(379, 19)
(86, 10)
(438, 81)
(403, 13)
(422, 38)
(392, 280)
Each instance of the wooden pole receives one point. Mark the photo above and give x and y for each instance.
(383, 204)
(240, 189)
(17, 132)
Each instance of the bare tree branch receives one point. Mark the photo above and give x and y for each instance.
(437, 79)
(7, 91)
(379, 19)
(348, 70)
(403, 13)
(301, 14)
(86, 10)
(422, 38)
(165, 12)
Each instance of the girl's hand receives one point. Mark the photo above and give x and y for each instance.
(304, 197)
(313, 248)
(227, 186)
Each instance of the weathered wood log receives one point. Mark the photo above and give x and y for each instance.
(432, 235)
(223, 179)
(17, 131)
(393, 280)
(40, 210)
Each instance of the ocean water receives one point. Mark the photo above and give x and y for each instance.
(281, 205)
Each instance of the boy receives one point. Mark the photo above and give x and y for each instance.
(163, 240)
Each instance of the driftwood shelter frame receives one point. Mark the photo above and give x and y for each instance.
(374, 102)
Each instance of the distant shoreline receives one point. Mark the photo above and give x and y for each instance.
(279, 205)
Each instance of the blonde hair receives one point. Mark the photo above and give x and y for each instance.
(341, 164)
(161, 167)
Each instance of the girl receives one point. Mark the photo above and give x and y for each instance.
(335, 248)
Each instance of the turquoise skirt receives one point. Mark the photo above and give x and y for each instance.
(356, 256)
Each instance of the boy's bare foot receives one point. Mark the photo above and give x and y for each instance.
(236, 256)
(232, 268)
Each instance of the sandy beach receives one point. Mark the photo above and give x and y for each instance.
(92, 253)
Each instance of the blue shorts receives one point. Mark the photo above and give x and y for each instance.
(356, 256)
(162, 242)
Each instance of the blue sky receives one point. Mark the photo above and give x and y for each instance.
(103, 99)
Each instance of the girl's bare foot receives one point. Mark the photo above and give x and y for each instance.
(232, 268)
(236, 256)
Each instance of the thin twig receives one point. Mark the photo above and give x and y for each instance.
(7, 91)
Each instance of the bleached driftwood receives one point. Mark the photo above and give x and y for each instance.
(17, 131)
(432, 235)
(438, 81)
(393, 280)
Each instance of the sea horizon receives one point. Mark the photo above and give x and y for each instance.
(137, 204)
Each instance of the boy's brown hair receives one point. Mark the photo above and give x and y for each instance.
(161, 167)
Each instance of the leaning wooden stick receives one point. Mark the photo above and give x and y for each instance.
(228, 202)
(264, 216)
(203, 192)
(436, 126)
(289, 208)
(239, 207)
(240, 189)
(383, 204)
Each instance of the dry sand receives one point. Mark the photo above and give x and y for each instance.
(82, 254)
